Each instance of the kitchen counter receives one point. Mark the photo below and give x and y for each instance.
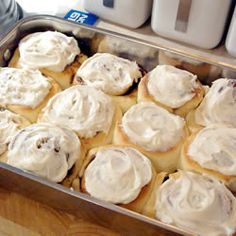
(21, 216)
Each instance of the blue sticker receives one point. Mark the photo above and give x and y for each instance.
(81, 17)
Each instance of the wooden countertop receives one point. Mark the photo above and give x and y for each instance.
(21, 216)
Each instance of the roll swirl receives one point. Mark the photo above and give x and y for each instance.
(197, 203)
(45, 150)
(83, 109)
(51, 50)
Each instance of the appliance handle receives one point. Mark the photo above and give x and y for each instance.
(182, 19)
(108, 3)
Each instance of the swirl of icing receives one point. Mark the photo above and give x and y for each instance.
(117, 175)
(152, 127)
(214, 147)
(45, 150)
(171, 86)
(10, 124)
(113, 75)
(197, 203)
(219, 104)
(23, 87)
(83, 109)
(51, 50)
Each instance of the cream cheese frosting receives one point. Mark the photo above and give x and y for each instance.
(117, 175)
(197, 203)
(214, 147)
(10, 124)
(83, 109)
(45, 150)
(51, 50)
(219, 104)
(23, 87)
(171, 86)
(152, 127)
(113, 75)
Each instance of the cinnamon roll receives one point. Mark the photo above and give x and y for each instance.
(218, 106)
(45, 150)
(155, 132)
(212, 150)
(120, 175)
(197, 204)
(205, 72)
(53, 53)
(176, 90)
(10, 124)
(113, 75)
(87, 111)
(25, 91)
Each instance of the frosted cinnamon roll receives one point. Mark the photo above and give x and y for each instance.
(212, 150)
(113, 75)
(176, 90)
(196, 203)
(85, 110)
(53, 53)
(10, 124)
(218, 106)
(25, 91)
(205, 72)
(45, 150)
(120, 175)
(155, 132)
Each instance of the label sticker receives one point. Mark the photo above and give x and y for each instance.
(81, 17)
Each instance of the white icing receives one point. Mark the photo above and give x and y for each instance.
(117, 175)
(22, 87)
(46, 150)
(10, 124)
(219, 104)
(51, 50)
(171, 86)
(83, 109)
(197, 203)
(214, 147)
(113, 75)
(152, 127)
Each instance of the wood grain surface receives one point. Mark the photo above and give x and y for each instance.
(21, 216)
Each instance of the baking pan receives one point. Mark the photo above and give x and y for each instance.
(55, 195)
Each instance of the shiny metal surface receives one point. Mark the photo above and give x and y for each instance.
(55, 195)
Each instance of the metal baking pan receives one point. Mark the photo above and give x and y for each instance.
(55, 195)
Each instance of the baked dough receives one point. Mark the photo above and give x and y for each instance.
(113, 75)
(45, 150)
(89, 112)
(155, 132)
(120, 175)
(25, 92)
(196, 203)
(218, 106)
(176, 90)
(212, 151)
(54, 54)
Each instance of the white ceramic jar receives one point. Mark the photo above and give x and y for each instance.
(131, 13)
(197, 22)
(231, 36)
